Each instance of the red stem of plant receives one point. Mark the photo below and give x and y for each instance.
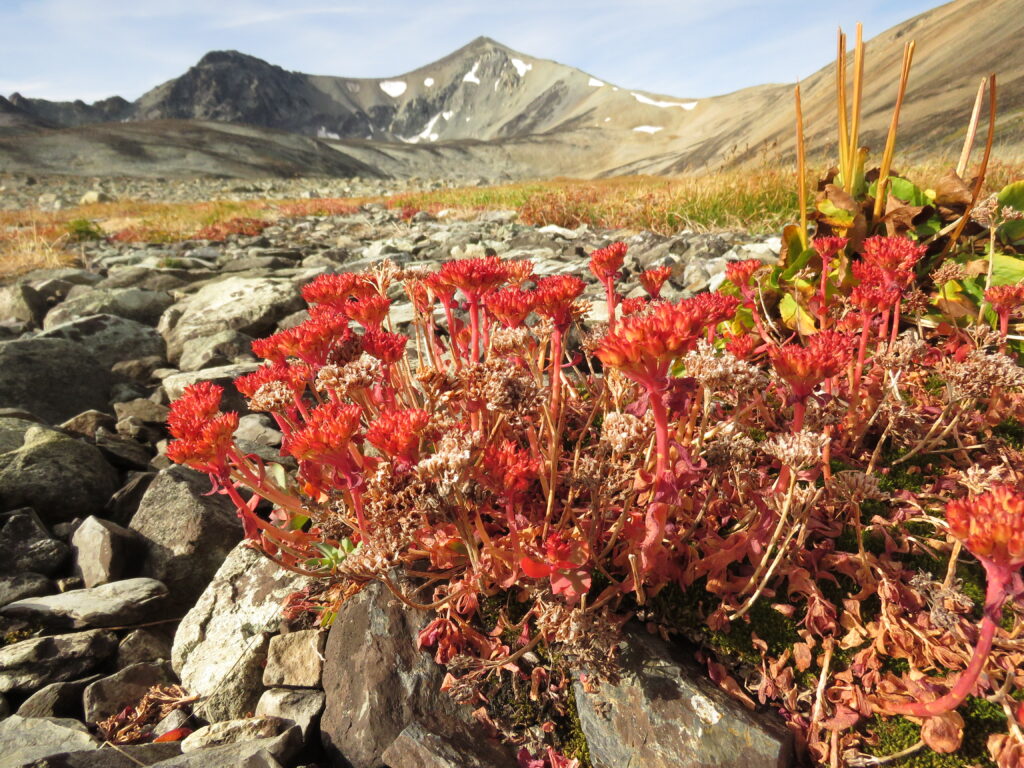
(861, 353)
(895, 324)
(609, 293)
(995, 594)
(556, 375)
(823, 312)
(474, 328)
(660, 415)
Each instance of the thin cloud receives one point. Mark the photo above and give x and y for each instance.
(271, 17)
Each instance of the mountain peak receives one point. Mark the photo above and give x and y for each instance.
(214, 58)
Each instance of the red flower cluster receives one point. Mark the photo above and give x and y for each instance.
(653, 280)
(396, 433)
(804, 367)
(1005, 298)
(554, 298)
(337, 290)
(326, 434)
(385, 346)
(202, 434)
(474, 277)
(311, 341)
(606, 262)
(508, 470)
(510, 306)
(991, 526)
(828, 247)
(739, 272)
(895, 256)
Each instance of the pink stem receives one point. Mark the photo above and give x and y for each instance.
(556, 376)
(861, 353)
(609, 292)
(998, 582)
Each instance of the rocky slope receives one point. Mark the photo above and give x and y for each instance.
(122, 573)
(491, 110)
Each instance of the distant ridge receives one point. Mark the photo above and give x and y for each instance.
(488, 110)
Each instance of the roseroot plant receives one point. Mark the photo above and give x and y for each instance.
(766, 481)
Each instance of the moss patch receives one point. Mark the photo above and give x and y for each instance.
(981, 719)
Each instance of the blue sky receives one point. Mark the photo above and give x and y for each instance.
(90, 49)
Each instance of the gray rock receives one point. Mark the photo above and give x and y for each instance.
(178, 718)
(28, 547)
(108, 337)
(142, 409)
(108, 605)
(57, 700)
(126, 499)
(377, 683)
(34, 375)
(250, 305)
(58, 476)
(110, 695)
(12, 431)
(417, 747)
(23, 303)
(223, 376)
(94, 196)
(258, 428)
(24, 739)
(262, 753)
(302, 707)
(125, 756)
(187, 534)
(123, 452)
(142, 645)
(221, 644)
(233, 732)
(20, 585)
(88, 423)
(104, 551)
(144, 307)
(295, 659)
(665, 713)
(217, 349)
(31, 664)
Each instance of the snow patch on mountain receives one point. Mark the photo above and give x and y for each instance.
(323, 133)
(394, 88)
(427, 134)
(470, 77)
(688, 105)
(595, 83)
(428, 81)
(648, 128)
(521, 66)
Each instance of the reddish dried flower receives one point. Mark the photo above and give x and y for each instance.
(474, 277)
(337, 290)
(326, 434)
(653, 280)
(510, 306)
(396, 433)
(203, 435)
(419, 295)
(386, 347)
(826, 355)
(991, 526)
(606, 262)
(895, 256)
(369, 311)
(739, 272)
(554, 298)
(440, 287)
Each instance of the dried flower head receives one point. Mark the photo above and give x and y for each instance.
(797, 450)
(624, 432)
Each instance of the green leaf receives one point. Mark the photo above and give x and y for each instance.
(1012, 195)
(1007, 270)
(795, 316)
(834, 215)
(908, 192)
(1011, 232)
(278, 474)
(797, 264)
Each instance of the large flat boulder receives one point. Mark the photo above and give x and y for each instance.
(220, 647)
(664, 712)
(250, 305)
(26, 739)
(108, 605)
(187, 532)
(60, 477)
(54, 379)
(31, 664)
(144, 307)
(109, 338)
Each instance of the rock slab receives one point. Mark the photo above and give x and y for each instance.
(665, 713)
